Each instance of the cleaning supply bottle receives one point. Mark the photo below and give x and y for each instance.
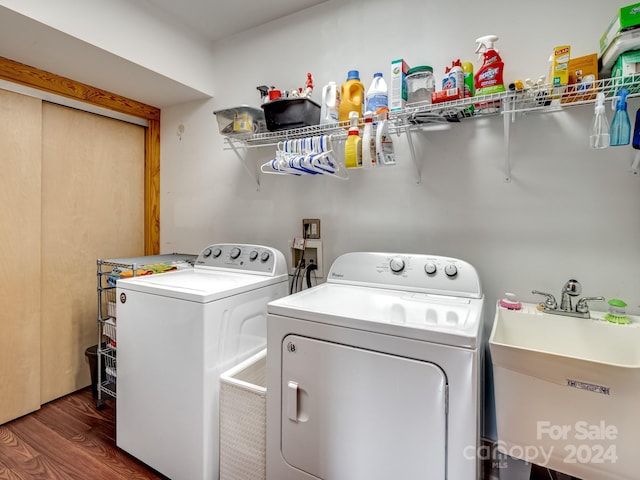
(599, 134)
(454, 77)
(368, 142)
(377, 94)
(351, 96)
(353, 146)
(620, 132)
(330, 104)
(384, 143)
(488, 79)
(636, 131)
(469, 88)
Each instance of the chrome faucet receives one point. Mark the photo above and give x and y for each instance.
(571, 288)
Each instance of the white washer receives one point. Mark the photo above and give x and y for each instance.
(177, 332)
(375, 374)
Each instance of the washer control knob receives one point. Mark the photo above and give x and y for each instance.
(451, 270)
(253, 255)
(265, 256)
(207, 253)
(217, 252)
(235, 253)
(430, 268)
(396, 264)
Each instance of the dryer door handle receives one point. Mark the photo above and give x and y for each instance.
(292, 401)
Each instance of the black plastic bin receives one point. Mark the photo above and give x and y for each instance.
(287, 113)
(92, 356)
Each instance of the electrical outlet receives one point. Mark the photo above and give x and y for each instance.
(311, 228)
(312, 254)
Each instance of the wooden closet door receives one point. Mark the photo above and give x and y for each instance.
(92, 207)
(20, 217)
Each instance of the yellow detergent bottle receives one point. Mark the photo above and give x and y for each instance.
(351, 96)
(353, 146)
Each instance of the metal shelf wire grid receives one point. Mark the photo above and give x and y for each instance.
(416, 116)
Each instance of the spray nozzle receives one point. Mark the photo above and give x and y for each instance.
(486, 43)
(622, 101)
(353, 118)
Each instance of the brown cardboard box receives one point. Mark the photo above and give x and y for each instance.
(583, 79)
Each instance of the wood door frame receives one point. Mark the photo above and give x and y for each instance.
(39, 79)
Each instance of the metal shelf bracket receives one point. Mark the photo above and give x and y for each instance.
(241, 153)
(412, 151)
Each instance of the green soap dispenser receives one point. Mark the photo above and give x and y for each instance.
(620, 131)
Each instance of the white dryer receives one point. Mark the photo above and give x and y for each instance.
(177, 332)
(375, 374)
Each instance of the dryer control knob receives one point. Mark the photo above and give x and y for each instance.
(253, 255)
(217, 252)
(430, 268)
(265, 256)
(451, 270)
(396, 264)
(207, 253)
(235, 253)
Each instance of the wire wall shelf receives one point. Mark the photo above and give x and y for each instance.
(420, 116)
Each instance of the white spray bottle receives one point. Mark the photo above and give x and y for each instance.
(599, 134)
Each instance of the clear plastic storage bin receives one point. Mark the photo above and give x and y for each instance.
(240, 120)
(243, 420)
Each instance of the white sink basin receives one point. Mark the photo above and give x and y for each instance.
(590, 340)
(567, 391)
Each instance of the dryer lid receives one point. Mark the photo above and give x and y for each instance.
(442, 319)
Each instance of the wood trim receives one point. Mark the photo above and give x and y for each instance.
(152, 189)
(39, 79)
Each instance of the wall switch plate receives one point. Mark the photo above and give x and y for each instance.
(311, 228)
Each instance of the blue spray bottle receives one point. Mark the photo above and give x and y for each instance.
(620, 130)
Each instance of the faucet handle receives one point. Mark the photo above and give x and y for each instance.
(582, 306)
(549, 302)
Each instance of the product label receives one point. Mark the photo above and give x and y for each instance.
(374, 102)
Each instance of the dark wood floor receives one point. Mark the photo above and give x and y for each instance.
(67, 439)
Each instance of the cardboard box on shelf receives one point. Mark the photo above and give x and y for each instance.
(626, 18)
(559, 69)
(626, 71)
(398, 86)
(583, 78)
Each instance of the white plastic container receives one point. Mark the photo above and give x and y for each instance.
(368, 142)
(420, 84)
(384, 144)
(330, 104)
(377, 96)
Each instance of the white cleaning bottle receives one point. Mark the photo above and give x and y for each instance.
(599, 134)
(368, 142)
(330, 104)
(384, 143)
(377, 94)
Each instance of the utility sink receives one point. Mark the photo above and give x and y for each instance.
(527, 331)
(567, 391)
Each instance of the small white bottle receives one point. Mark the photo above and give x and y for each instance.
(330, 104)
(384, 143)
(377, 95)
(368, 142)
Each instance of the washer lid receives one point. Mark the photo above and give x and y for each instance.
(446, 320)
(198, 285)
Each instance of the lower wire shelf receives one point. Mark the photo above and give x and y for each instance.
(108, 383)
